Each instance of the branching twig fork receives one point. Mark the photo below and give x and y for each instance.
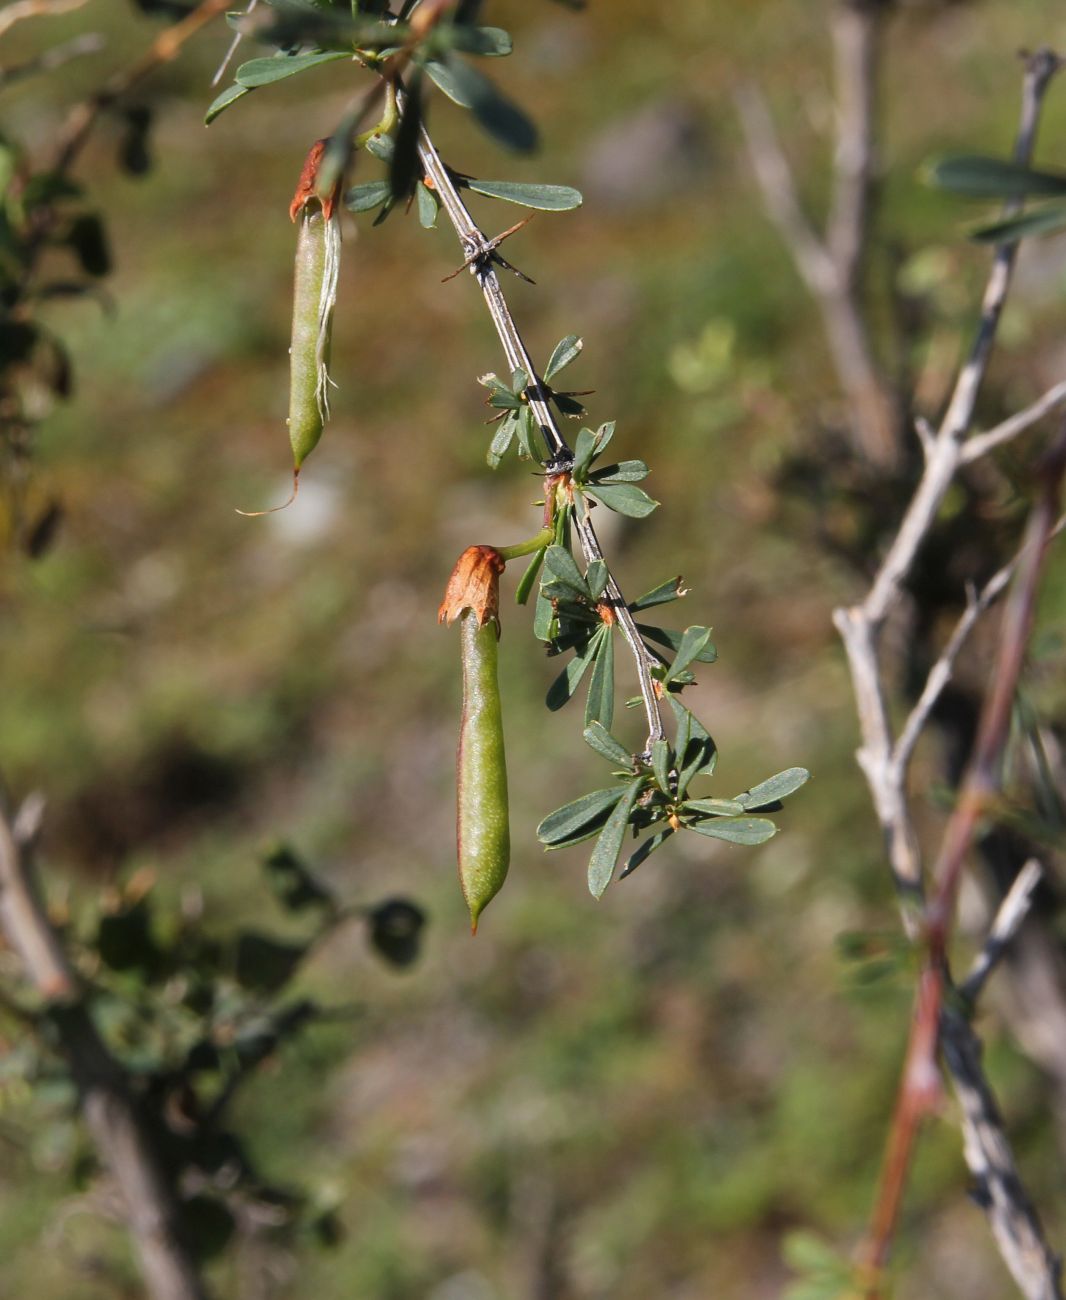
(477, 252)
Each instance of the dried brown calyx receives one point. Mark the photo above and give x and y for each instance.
(474, 585)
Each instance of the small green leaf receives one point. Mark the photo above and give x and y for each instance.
(292, 883)
(577, 816)
(543, 617)
(527, 429)
(673, 640)
(695, 748)
(597, 737)
(609, 845)
(427, 207)
(88, 240)
(994, 178)
(489, 42)
(263, 72)
(529, 578)
(568, 405)
(229, 96)
(499, 444)
(596, 576)
(604, 434)
(503, 399)
(661, 760)
(263, 963)
(565, 351)
(381, 147)
(564, 686)
(625, 471)
(694, 643)
(561, 565)
(440, 73)
(396, 930)
(660, 595)
(471, 89)
(644, 852)
(767, 795)
(600, 704)
(625, 498)
(404, 169)
(544, 198)
(584, 451)
(740, 830)
(369, 195)
(716, 807)
(1044, 221)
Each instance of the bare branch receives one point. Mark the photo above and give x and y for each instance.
(856, 37)
(1040, 68)
(774, 175)
(1012, 912)
(166, 46)
(982, 443)
(998, 1186)
(987, 1147)
(831, 267)
(940, 673)
(21, 9)
(983, 777)
(110, 1111)
(476, 251)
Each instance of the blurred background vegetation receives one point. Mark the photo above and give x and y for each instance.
(649, 1096)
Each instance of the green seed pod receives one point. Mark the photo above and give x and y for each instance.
(314, 295)
(483, 833)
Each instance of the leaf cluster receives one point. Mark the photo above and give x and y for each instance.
(190, 1017)
(575, 612)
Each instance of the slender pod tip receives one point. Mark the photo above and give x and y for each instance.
(255, 514)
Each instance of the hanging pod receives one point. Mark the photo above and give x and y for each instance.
(318, 256)
(483, 837)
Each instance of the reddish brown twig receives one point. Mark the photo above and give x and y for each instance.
(919, 1087)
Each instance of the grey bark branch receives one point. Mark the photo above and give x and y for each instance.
(831, 266)
(111, 1115)
(885, 760)
(856, 38)
(476, 252)
(1008, 919)
(860, 626)
(998, 1186)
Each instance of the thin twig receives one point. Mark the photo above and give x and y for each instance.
(861, 626)
(1012, 912)
(21, 9)
(831, 266)
(856, 40)
(477, 250)
(166, 46)
(982, 443)
(54, 57)
(998, 1187)
(1032, 1264)
(977, 603)
(118, 1132)
(1039, 69)
(982, 778)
